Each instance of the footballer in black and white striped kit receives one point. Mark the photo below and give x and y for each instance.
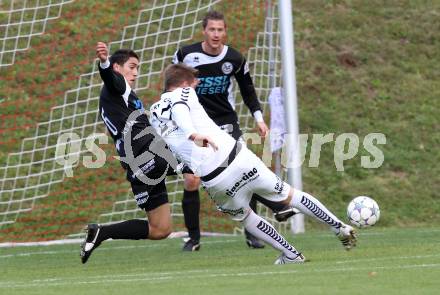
(215, 90)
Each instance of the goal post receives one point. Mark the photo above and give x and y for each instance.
(291, 104)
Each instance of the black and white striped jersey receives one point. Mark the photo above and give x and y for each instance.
(215, 88)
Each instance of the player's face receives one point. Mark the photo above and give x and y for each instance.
(215, 35)
(129, 70)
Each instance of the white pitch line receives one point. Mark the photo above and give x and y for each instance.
(173, 235)
(27, 254)
(386, 258)
(120, 276)
(205, 274)
(44, 243)
(148, 245)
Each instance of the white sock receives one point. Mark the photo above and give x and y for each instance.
(309, 205)
(264, 231)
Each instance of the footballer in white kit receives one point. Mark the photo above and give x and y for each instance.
(229, 171)
(179, 114)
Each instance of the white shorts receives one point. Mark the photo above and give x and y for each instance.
(232, 189)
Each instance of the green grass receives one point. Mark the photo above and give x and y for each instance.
(386, 261)
(91, 192)
(362, 67)
(370, 67)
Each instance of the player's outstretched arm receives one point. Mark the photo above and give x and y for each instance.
(115, 82)
(182, 118)
(102, 52)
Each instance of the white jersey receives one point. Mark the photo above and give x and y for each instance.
(176, 116)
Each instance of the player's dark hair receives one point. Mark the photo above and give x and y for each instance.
(176, 74)
(121, 56)
(213, 15)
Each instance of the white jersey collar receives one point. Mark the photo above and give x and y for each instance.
(201, 58)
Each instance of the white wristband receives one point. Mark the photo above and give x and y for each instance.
(105, 64)
(258, 116)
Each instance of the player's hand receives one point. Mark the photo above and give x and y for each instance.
(263, 130)
(102, 51)
(203, 141)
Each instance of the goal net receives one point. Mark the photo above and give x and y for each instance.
(20, 20)
(37, 199)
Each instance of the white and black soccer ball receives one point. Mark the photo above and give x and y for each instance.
(363, 212)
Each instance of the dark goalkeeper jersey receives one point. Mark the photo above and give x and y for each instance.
(116, 103)
(215, 88)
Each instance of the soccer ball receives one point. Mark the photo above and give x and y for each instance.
(363, 212)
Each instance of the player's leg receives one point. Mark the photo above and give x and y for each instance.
(157, 227)
(160, 223)
(251, 240)
(280, 211)
(274, 189)
(231, 191)
(235, 132)
(252, 174)
(264, 231)
(238, 208)
(154, 200)
(191, 211)
(311, 206)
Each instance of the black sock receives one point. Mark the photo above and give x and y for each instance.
(191, 210)
(274, 206)
(134, 229)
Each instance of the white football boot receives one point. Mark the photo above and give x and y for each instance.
(283, 259)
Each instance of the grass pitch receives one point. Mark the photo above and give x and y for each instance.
(386, 261)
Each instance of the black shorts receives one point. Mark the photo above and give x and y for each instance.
(148, 183)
